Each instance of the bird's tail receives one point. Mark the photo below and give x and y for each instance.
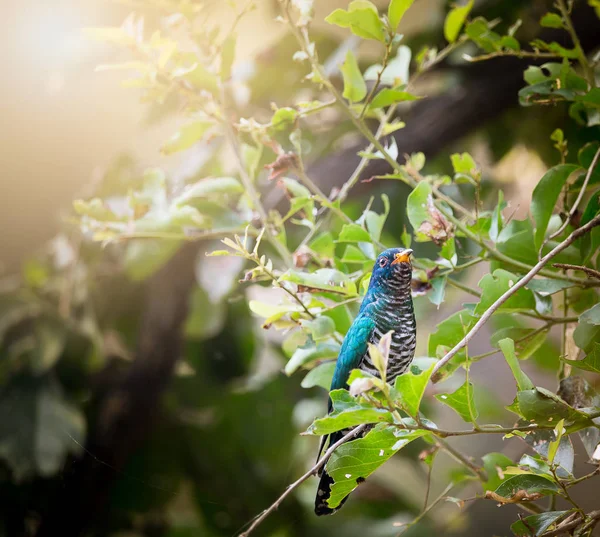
(325, 483)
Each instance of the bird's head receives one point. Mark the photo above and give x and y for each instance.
(393, 267)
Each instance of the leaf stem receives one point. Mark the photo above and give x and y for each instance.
(581, 57)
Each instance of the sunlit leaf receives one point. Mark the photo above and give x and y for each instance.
(396, 10)
(362, 18)
(455, 20)
(186, 136)
(355, 88)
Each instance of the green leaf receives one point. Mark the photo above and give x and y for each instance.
(438, 290)
(551, 20)
(547, 286)
(410, 388)
(591, 98)
(388, 96)
(96, 209)
(463, 163)
(396, 11)
(449, 332)
(273, 312)
(427, 221)
(362, 18)
(497, 222)
(588, 329)
(455, 20)
(320, 375)
(526, 340)
(50, 337)
(352, 254)
(462, 402)
(320, 328)
(374, 221)
(536, 525)
(507, 346)
(564, 457)
(348, 412)
(354, 233)
(591, 362)
(355, 88)
(310, 353)
(323, 245)
(591, 316)
(541, 406)
(494, 464)
(354, 461)
(38, 427)
(559, 431)
(144, 257)
(494, 285)
(211, 187)
(197, 75)
(531, 483)
(325, 280)
(545, 195)
(590, 242)
(186, 137)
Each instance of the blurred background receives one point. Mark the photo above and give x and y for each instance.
(160, 406)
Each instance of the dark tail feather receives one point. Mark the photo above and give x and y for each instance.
(324, 489)
(323, 494)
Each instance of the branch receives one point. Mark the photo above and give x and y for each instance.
(521, 283)
(589, 271)
(296, 484)
(577, 201)
(566, 528)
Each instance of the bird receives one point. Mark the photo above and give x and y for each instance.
(387, 305)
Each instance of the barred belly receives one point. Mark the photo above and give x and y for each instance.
(402, 348)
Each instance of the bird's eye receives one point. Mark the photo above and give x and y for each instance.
(383, 262)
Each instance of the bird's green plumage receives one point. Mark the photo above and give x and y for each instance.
(387, 305)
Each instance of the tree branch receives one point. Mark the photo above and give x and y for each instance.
(297, 483)
(589, 271)
(577, 201)
(521, 283)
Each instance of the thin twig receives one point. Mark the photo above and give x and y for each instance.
(428, 508)
(581, 57)
(589, 271)
(463, 459)
(297, 483)
(521, 283)
(518, 53)
(566, 528)
(252, 192)
(573, 210)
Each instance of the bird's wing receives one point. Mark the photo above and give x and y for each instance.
(353, 349)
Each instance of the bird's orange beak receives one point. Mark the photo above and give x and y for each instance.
(403, 257)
